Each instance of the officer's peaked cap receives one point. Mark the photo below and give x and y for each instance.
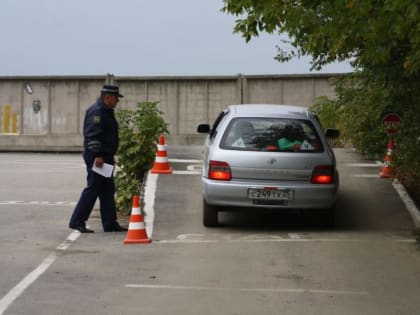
(111, 89)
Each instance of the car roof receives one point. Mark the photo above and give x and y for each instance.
(255, 110)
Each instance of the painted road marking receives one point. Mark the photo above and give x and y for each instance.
(376, 164)
(186, 172)
(252, 290)
(365, 175)
(37, 162)
(191, 170)
(195, 238)
(295, 235)
(30, 278)
(279, 240)
(408, 202)
(149, 202)
(35, 203)
(185, 161)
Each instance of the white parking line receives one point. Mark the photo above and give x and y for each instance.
(38, 162)
(376, 164)
(277, 240)
(365, 175)
(30, 278)
(186, 172)
(35, 203)
(149, 202)
(251, 290)
(185, 161)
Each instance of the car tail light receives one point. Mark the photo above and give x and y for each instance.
(323, 174)
(219, 170)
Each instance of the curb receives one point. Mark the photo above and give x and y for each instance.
(407, 200)
(409, 203)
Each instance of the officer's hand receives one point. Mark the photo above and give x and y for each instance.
(99, 161)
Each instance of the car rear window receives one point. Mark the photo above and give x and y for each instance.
(271, 134)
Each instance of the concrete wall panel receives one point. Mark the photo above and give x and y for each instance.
(10, 95)
(51, 117)
(36, 109)
(221, 93)
(193, 99)
(264, 91)
(166, 93)
(298, 92)
(134, 92)
(64, 107)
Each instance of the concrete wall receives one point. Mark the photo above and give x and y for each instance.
(49, 111)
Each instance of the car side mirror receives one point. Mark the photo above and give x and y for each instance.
(203, 128)
(332, 133)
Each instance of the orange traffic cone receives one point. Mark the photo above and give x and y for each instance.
(136, 229)
(161, 165)
(387, 168)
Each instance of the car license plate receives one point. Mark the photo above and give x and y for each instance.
(270, 194)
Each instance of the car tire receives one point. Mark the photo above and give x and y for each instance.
(210, 215)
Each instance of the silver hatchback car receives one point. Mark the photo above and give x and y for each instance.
(267, 156)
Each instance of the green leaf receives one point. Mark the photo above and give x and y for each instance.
(138, 131)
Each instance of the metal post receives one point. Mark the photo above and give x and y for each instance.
(109, 78)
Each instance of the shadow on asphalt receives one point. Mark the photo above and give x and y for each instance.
(273, 221)
(348, 217)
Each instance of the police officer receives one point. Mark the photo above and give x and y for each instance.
(100, 131)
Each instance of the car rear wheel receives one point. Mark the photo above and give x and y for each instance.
(209, 215)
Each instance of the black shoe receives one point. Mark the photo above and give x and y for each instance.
(116, 228)
(83, 229)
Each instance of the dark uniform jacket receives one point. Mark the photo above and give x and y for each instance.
(100, 132)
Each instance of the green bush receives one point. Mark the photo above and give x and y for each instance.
(357, 112)
(328, 112)
(406, 154)
(362, 102)
(139, 130)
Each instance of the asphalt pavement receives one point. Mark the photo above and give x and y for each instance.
(270, 263)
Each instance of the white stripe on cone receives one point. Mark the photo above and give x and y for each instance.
(135, 210)
(161, 159)
(136, 226)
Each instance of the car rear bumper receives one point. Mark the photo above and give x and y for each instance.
(234, 194)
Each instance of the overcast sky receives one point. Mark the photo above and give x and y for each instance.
(133, 38)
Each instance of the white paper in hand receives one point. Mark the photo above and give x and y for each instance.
(106, 169)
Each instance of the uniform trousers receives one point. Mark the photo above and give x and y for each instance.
(97, 186)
